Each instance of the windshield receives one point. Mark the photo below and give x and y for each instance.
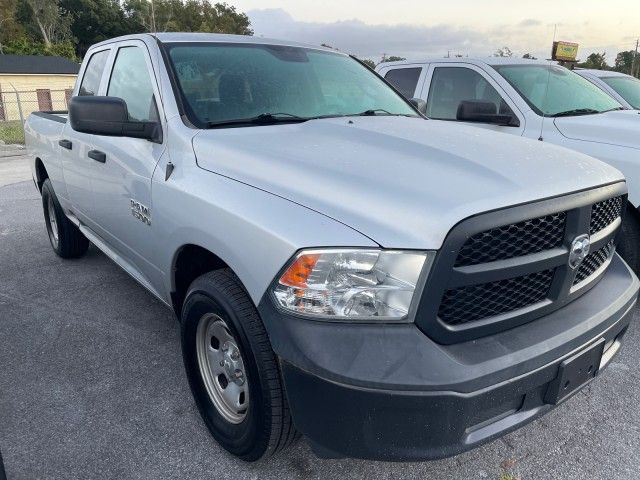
(221, 83)
(627, 87)
(566, 93)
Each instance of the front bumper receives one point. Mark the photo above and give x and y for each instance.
(389, 392)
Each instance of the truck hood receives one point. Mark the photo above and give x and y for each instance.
(621, 127)
(403, 182)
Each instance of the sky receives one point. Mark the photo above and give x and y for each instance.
(425, 28)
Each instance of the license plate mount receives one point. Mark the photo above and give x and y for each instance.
(575, 372)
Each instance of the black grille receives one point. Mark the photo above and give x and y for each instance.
(467, 304)
(604, 213)
(515, 240)
(593, 262)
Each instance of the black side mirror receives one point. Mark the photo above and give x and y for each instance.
(484, 112)
(109, 116)
(420, 105)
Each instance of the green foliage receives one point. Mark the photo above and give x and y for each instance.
(392, 58)
(369, 63)
(69, 27)
(596, 61)
(26, 46)
(95, 21)
(10, 28)
(624, 61)
(185, 16)
(529, 56)
(11, 132)
(45, 20)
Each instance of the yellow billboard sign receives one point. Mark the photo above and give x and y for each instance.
(564, 51)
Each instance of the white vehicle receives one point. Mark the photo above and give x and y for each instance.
(624, 88)
(534, 99)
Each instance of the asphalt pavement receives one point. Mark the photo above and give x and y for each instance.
(92, 387)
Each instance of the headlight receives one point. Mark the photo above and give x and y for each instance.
(345, 284)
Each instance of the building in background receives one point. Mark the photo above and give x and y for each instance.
(29, 83)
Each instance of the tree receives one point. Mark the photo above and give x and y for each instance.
(392, 58)
(529, 56)
(46, 19)
(596, 61)
(503, 52)
(95, 21)
(369, 63)
(624, 61)
(10, 28)
(187, 16)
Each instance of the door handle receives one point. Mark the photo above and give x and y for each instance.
(97, 155)
(66, 144)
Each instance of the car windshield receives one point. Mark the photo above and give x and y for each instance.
(553, 90)
(627, 87)
(224, 83)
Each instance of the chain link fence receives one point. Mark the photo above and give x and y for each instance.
(15, 107)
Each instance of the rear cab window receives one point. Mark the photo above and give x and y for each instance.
(405, 80)
(93, 73)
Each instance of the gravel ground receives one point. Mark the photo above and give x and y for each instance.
(92, 386)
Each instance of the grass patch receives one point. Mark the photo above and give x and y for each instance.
(508, 476)
(12, 132)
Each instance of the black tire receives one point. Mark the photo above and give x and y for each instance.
(629, 242)
(3, 475)
(267, 426)
(70, 242)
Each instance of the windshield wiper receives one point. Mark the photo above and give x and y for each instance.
(262, 119)
(576, 112)
(376, 111)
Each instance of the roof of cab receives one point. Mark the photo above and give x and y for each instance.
(601, 73)
(177, 37)
(491, 61)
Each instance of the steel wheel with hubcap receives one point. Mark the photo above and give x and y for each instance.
(53, 223)
(232, 371)
(222, 368)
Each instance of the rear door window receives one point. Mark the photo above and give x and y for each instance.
(93, 74)
(404, 79)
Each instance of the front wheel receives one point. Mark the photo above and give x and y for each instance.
(232, 370)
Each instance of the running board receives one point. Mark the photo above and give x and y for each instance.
(118, 260)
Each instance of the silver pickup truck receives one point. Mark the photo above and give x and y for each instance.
(389, 286)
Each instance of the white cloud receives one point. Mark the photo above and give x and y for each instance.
(369, 40)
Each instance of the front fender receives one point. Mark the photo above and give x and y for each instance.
(252, 231)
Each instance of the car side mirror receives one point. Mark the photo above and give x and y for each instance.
(109, 116)
(420, 105)
(484, 112)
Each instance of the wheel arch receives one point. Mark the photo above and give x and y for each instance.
(189, 262)
(41, 173)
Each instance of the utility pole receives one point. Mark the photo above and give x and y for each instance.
(635, 59)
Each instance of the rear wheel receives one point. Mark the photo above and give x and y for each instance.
(232, 370)
(629, 243)
(66, 239)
